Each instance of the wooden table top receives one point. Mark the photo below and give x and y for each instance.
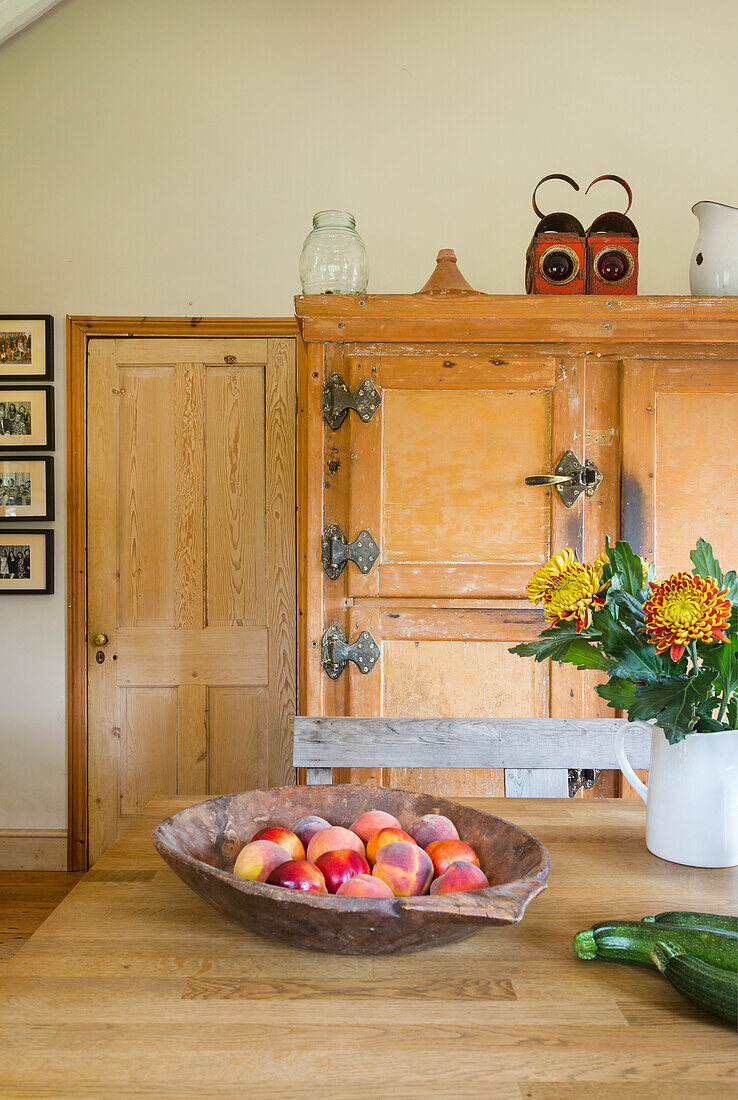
(134, 987)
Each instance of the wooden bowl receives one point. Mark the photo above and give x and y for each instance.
(201, 844)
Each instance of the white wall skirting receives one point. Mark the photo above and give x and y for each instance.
(33, 849)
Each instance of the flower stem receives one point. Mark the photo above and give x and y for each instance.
(724, 699)
(693, 655)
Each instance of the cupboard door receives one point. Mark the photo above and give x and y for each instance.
(438, 478)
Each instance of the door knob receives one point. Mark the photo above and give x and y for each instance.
(99, 640)
(570, 478)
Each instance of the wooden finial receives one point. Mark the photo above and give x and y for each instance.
(446, 278)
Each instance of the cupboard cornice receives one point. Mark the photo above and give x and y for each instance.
(598, 324)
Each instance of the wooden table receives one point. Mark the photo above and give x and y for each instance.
(134, 987)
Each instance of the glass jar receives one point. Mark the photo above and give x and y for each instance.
(333, 259)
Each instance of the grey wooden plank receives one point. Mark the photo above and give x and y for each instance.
(536, 783)
(318, 775)
(512, 743)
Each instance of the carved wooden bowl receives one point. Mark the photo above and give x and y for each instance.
(201, 844)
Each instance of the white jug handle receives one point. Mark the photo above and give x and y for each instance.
(638, 785)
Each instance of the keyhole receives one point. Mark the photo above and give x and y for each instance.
(100, 656)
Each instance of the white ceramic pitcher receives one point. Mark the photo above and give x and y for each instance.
(714, 265)
(692, 796)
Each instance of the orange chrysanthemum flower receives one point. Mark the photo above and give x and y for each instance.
(567, 589)
(684, 609)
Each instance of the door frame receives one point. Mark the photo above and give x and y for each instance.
(81, 329)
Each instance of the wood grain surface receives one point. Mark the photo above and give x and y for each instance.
(136, 988)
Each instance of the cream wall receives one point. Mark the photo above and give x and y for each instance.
(163, 157)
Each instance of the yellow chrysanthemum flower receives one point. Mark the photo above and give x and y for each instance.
(684, 609)
(567, 588)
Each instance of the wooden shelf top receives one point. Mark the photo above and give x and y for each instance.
(518, 318)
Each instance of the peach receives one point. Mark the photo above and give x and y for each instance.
(298, 874)
(445, 852)
(424, 830)
(458, 876)
(405, 867)
(307, 827)
(364, 886)
(339, 866)
(285, 838)
(258, 859)
(385, 836)
(372, 821)
(333, 839)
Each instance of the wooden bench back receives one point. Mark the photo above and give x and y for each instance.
(536, 753)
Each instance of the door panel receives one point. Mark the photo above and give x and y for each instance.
(680, 476)
(191, 581)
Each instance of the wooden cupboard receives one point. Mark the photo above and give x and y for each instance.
(460, 398)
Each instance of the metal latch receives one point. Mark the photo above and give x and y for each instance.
(570, 478)
(335, 551)
(583, 777)
(335, 652)
(338, 399)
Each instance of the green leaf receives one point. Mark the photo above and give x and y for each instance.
(630, 655)
(619, 693)
(628, 567)
(731, 715)
(723, 658)
(730, 581)
(629, 604)
(555, 642)
(583, 654)
(672, 703)
(705, 563)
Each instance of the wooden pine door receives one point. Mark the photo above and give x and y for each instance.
(191, 570)
(438, 478)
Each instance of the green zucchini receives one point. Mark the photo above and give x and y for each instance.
(709, 987)
(633, 942)
(704, 920)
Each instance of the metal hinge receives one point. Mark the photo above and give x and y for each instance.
(583, 777)
(570, 478)
(335, 651)
(335, 551)
(338, 399)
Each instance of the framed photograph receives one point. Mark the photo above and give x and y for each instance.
(26, 488)
(26, 563)
(26, 348)
(26, 418)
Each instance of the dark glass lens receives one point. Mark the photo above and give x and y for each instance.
(612, 267)
(557, 267)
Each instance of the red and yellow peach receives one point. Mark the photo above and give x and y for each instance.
(285, 838)
(405, 867)
(364, 886)
(339, 866)
(333, 839)
(385, 836)
(371, 822)
(298, 874)
(459, 876)
(258, 859)
(445, 852)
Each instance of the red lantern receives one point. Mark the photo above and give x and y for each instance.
(612, 250)
(555, 262)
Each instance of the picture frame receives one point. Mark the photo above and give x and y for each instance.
(27, 562)
(26, 418)
(26, 488)
(26, 347)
